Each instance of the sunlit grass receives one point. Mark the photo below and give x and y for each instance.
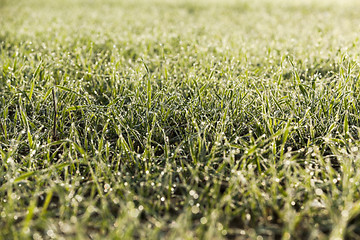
(164, 119)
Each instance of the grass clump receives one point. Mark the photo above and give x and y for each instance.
(185, 120)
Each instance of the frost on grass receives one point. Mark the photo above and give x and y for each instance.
(179, 120)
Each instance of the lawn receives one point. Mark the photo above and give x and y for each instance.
(183, 119)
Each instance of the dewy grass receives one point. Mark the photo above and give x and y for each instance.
(179, 119)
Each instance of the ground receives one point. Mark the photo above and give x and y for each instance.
(179, 119)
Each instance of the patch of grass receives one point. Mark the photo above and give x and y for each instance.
(162, 119)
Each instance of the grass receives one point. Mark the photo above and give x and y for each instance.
(163, 119)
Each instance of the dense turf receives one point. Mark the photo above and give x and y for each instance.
(179, 119)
